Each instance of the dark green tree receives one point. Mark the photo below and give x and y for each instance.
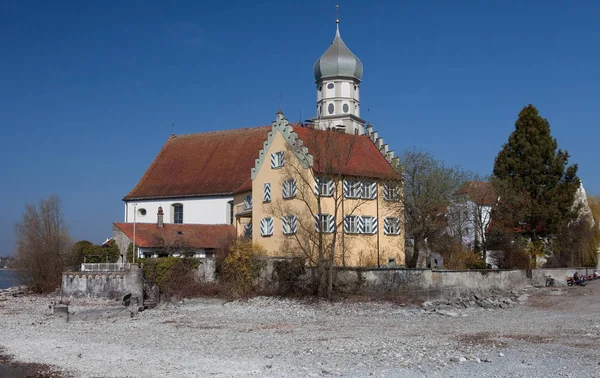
(533, 180)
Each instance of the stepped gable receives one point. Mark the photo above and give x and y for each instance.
(148, 235)
(202, 164)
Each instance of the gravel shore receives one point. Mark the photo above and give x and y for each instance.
(548, 333)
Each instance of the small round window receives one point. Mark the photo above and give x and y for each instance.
(345, 107)
(330, 86)
(142, 212)
(330, 108)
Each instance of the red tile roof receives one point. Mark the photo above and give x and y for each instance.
(348, 154)
(220, 162)
(196, 235)
(201, 164)
(482, 193)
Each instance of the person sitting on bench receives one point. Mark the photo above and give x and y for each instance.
(577, 278)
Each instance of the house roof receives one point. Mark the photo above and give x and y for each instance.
(348, 154)
(482, 193)
(203, 164)
(221, 162)
(148, 235)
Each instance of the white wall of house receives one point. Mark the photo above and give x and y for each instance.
(199, 210)
(467, 215)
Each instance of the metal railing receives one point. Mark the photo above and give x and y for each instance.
(105, 267)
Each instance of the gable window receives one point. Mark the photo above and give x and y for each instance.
(324, 223)
(391, 226)
(277, 160)
(351, 224)
(391, 192)
(290, 224)
(289, 188)
(266, 227)
(324, 186)
(177, 213)
(369, 225)
(248, 202)
(267, 192)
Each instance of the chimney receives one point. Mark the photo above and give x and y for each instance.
(160, 217)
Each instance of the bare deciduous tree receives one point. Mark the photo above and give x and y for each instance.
(43, 245)
(429, 186)
(327, 160)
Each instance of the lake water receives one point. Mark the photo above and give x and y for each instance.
(8, 278)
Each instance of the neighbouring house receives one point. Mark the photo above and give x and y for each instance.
(281, 185)
(470, 214)
(171, 239)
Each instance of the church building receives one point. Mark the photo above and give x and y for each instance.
(287, 186)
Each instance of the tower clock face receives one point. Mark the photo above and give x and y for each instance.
(330, 86)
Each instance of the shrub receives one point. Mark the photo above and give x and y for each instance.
(286, 274)
(241, 266)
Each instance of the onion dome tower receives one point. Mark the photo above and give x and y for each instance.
(337, 74)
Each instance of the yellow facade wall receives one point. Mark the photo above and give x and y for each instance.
(351, 249)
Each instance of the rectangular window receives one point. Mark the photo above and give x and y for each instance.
(290, 224)
(267, 192)
(178, 213)
(324, 186)
(289, 188)
(324, 223)
(248, 202)
(277, 160)
(352, 189)
(370, 225)
(369, 190)
(351, 224)
(266, 227)
(391, 192)
(248, 230)
(391, 226)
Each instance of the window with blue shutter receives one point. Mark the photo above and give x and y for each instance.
(248, 230)
(351, 224)
(391, 226)
(352, 189)
(391, 192)
(267, 192)
(369, 225)
(266, 227)
(324, 223)
(290, 224)
(369, 190)
(248, 202)
(277, 160)
(324, 186)
(288, 188)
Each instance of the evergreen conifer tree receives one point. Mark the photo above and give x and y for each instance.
(531, 176)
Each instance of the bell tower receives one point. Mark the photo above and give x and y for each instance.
(337, 75)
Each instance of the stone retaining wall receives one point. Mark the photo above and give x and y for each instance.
(428, 284)
(103, 284)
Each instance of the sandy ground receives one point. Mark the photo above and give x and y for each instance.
(555, 333)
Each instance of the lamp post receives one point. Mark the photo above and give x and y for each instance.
(134, 218)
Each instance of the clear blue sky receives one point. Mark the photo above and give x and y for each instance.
(88, 90)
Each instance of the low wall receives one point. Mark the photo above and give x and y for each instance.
(428, 284)
(559, 274)
(103, 284)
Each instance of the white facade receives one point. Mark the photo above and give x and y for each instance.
(469, 221)
(199, 210)
(338, 105)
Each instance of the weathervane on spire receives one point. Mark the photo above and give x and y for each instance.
(337, 15)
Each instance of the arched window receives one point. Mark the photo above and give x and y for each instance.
(177, 213)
